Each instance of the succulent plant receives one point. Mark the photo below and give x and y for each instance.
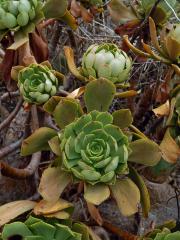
(18, 13)
(94, 148)
(106, 60)
(39, 229)
(22, 16)
(168, 47)
(37, 82)
(129, 16)
(164, 234)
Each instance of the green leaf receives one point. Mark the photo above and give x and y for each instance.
(99, 94)
(66, 111)
(127, 196)
(38, 141)
(82, 229)
(145, 199)
(51, 104)
(55, 8)
(145, 152)
(16, 228)
(96, 194)
(122, 118)
(52, 184)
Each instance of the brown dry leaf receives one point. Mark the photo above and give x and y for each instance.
(170, 149)
(12, 210)
(45, 207)
(128, 28)
(77, 93)
(94, 212)
(162, 110)
(52, 184)
(119, 12)
(77, 10)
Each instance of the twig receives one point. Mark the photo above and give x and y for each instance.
(12, 172)
(35, 120)
(11, 116)
(10, 148)
(121, 233)
(9, 95)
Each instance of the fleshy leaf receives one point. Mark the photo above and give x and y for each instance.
(145, 152)
(71, 64)
(55, 8)
(51, 104)
(99, 94)
(12, 210)
(96, 194)
(38, 141)
(127, 196)
(20, 38)
(54, 144)
(66, 111)
(170, 149)
(44, 207)
(52, 184)
(145, 199)
(122, 118)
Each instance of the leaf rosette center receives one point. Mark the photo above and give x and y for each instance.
(94, 149)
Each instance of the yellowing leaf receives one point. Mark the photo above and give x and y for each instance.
(162, 110)
(12, 210)
(52, 184)
(38, 141)
(145, 152)
(96, 194)
(170, 149)
(44, 207)
(59, 215)
(127, 196)
(71, 64)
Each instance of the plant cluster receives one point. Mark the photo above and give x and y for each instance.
(87, 142)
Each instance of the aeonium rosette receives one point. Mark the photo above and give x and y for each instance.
(37, 82)
(95, 148)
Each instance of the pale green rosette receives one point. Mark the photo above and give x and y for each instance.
(108, 61)
(37, 83)
(18, 13)
(94, 149)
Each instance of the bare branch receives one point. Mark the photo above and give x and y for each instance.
(11, 116)
(12, 172)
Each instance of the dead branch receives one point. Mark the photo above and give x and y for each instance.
(10, 148)
(11, 116)
(9, 95)
(12, 172)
